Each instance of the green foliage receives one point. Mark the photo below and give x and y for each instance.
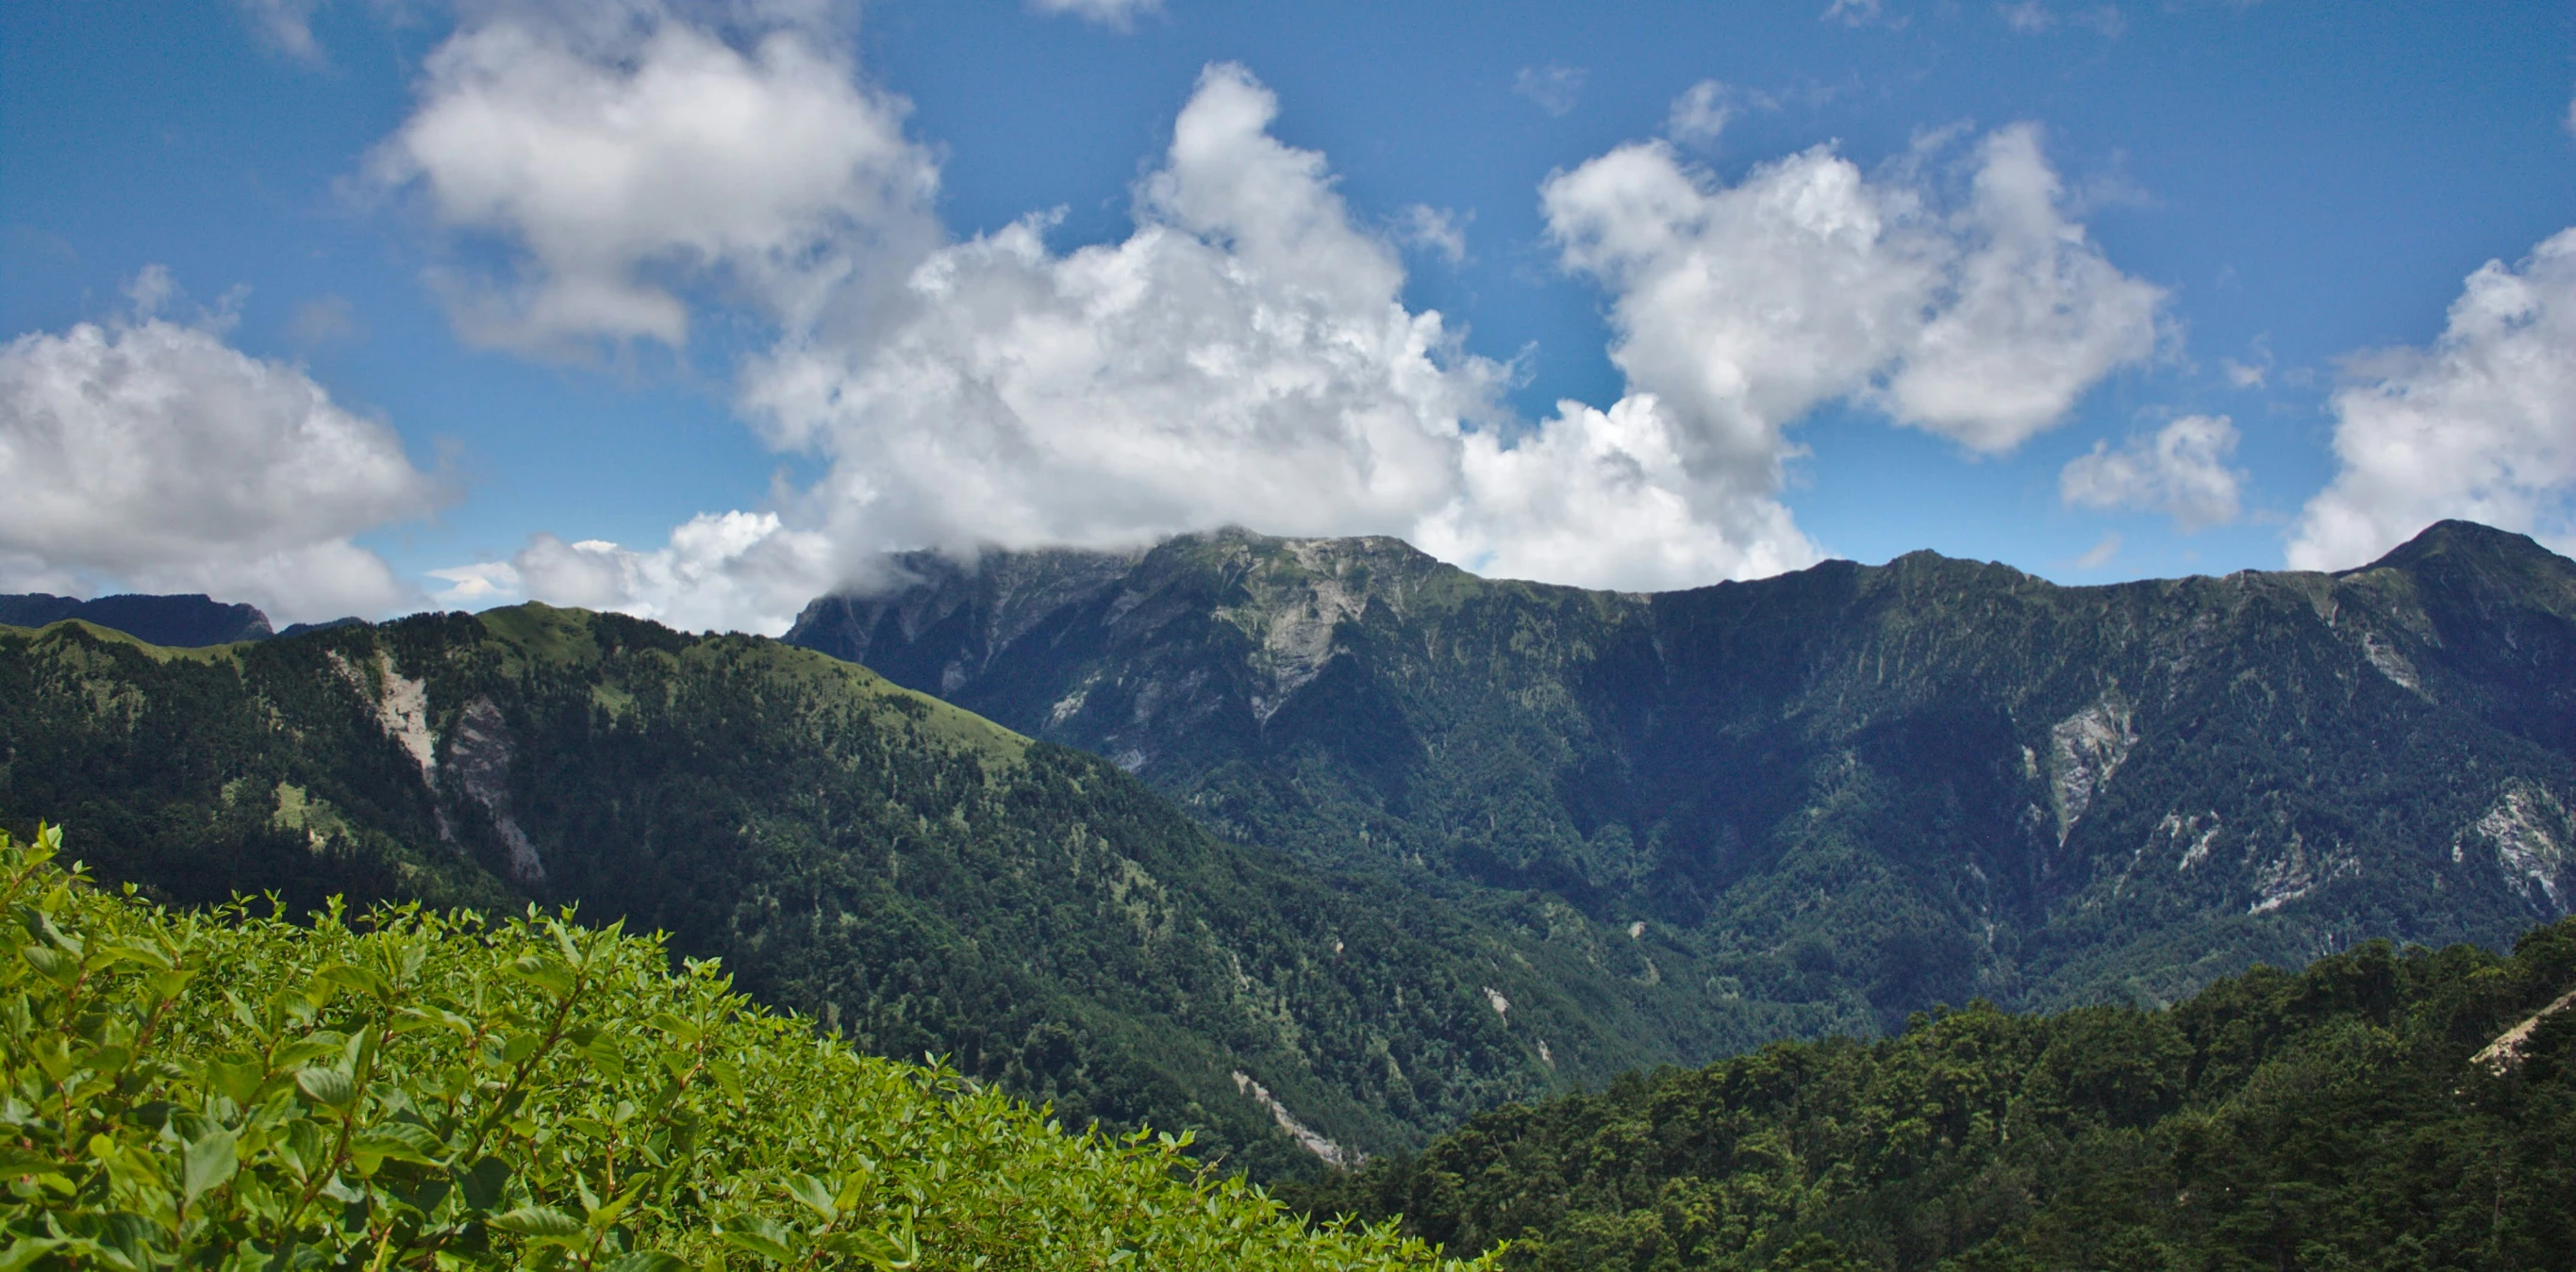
(2339, 1118)
(418, 1089)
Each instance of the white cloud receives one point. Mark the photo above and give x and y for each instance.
(2033, 314)
(1742, 308)
(480, 584)
(2481, 425)
(2571, 117)
(2100, 554)
(2255, 372)
(154, 456)
(1701, 113)
(2029, 17)
(2180, 471)
(1606, 498)
(736, 571)
(1552, 88)
(617, 161)
(1437, 230)
(1117, 14)
(1861, 13)
(288, 24)
(1244, 356)
(2034, 17)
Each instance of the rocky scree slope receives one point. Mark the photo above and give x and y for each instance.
(909, 874)
(1827, 799)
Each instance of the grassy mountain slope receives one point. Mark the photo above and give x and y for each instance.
(2382, 1109)
(1827, 799)
(912, 875)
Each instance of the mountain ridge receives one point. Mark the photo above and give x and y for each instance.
(1971, 749)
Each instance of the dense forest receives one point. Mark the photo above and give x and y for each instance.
(1833, 797)
(407, 1088)
(2386, 1108)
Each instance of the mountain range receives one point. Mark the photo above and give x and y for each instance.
(1849, 792)
(192, 620)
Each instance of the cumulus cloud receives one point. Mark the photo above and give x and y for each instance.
(724, 571)
(1701, 113)
(2181, 470)
(2481, 425)
(1117, 14)
(1245, 355)
(153, 455)
(2031, 313)
(1551, 88)
(616, 161)
(1743, 308)
(1608, 499)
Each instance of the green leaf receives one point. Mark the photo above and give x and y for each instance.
(234, 1076)
(208, 1163)
(302, 1149)
(807, 1189)
(484, 1183)
(327, 1086)
(401, 1141)
(357, 978)
(644, 1261)
(26, 1250)
(726, 1076)
(537, 1221)
(767, 1238)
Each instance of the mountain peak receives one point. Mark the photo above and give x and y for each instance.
(2455, 538)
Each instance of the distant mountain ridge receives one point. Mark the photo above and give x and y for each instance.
(176, 621)
(189, 621)
(1860, 789)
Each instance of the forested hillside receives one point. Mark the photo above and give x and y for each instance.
(915, 877)
(2384, 1109)
(1833, 797)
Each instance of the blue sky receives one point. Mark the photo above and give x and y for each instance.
(335, 305)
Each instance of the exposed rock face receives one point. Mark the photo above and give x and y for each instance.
(2085, 749)
(1330, 1153)
(401, 704)
(2529, 831)
(1936, 769)
(478, 756)
(478, 751)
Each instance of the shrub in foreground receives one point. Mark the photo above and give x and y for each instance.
(415, 1089)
